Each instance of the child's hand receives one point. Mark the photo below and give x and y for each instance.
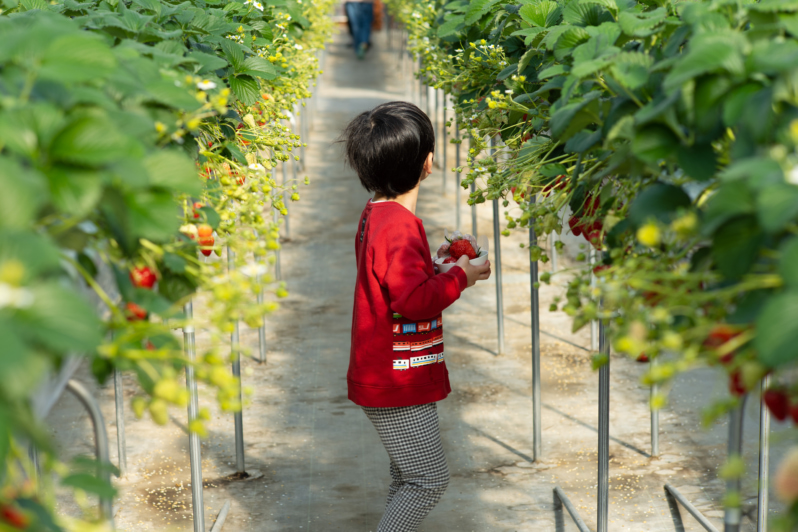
(474, 273)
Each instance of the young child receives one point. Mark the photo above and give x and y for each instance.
(396, 366)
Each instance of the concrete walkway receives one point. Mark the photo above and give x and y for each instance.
(316, 462)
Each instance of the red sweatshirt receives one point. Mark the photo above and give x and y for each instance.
(397, 338)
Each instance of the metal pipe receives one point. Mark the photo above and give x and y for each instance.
(436, 128)
(703, 521)
(457, 174)
(121, 441)
(537, 432)
(654, 391)
(235, 354)
(732, 515)
(603, 498)
(262, 328)
(100, 442)
(219, 523)
(285, 199)
(194, 449)
(473, 189)
(497, 249)
(764, 463)
(276, 221)
(594, 324)
(445, 149)
(553, 252)
(563, 498)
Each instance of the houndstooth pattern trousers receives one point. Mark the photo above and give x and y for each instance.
(419, 473)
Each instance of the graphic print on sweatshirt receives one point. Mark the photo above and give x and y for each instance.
(421, 340)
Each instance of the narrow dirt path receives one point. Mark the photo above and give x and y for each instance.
(317, 463)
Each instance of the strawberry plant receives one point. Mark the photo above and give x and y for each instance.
(136, 138)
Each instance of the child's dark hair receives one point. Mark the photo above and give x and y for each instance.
(388, 146)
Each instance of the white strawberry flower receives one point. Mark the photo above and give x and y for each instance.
(257, 167)
(206, 85)
(16, 297)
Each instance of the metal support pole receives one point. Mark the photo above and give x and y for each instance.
(537, 432)
(445, 149)
(497, 249)
(276, 220)
(594, 325)
(764, 463)
(473, 207)
(262, 328)
(436, 128)
(235, 354)
(654, 391)
(285, 199)
(732, 514)
(457, 175)
(100, 442)
(194, 449)
(121, 441)
(603, 499)
(553, 252)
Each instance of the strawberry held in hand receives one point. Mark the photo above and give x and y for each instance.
(458, 248)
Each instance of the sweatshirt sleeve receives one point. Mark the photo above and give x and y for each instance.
(412, 291)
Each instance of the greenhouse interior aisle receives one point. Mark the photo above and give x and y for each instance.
(316, 463)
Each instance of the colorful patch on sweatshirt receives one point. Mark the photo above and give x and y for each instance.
(424, 360)
(401, 364)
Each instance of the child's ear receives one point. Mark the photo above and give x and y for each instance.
(428, 164)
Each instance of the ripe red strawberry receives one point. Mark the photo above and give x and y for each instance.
(449, 260)
(576, 225)
(143, 277)
(778, 403)
(458, 248)
(719, 335)
(600, 268)
(736, 386)
(642, 357)
(206, 245)
(14, 517)
(197, 207)
(558, 184)
(135, 312)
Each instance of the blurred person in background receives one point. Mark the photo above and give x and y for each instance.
(360, 14)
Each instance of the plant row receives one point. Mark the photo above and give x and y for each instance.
(665, 134)
(138, 140)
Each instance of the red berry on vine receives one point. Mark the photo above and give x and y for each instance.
(736, 386)
(206, 245)
(778, 403)
(642, 357)
(204, 230)
(143, 277)
(134, 312)
(14, 517)
(197, 207)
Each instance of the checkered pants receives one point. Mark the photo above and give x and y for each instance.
(412, 437)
